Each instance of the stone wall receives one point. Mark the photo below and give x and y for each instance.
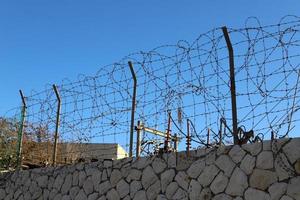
(269, 170)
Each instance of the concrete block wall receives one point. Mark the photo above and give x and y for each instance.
(259, 171)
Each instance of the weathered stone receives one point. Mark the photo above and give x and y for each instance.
(262, 179)
(153, 190)
(158, 165)
(107, 164)
(171, 190)
(74, 191)
(66, 197)
(115, 177)
(104, 187)
(75, 178)
(141, 163)
(161, 197)
(196, 168)
(180, 194)
(81, 178)
(208, 175)
(292, 150)
(67, 184)
(222, 197)
(166, 178)
(225, 164)
(265, 160)
(219, 183)
(134, 174)
(194, 189)
(96, 178)
(122, 188)
(238, 183)
(285, 197)
(253, 194)
(282, 167)
(58, 182)
(205, 194)
(277, 190)
(102, 198)
(293, 188)
(148, 177)
(253, 148)
(81, 196)
(182, 179)
(184, 162)
(134, 187)
(112, 195)
(297, 166)
(104, 175)
(57, 196)
(170, 158)
(248, 164)
(42, 181)
(127, 198)
(140, 195)
(237, 153)
(88, 186)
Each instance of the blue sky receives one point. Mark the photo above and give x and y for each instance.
(43, 42)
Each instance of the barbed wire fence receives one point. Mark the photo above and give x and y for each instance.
(189, 82)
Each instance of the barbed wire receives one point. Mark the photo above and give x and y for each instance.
(189, 79)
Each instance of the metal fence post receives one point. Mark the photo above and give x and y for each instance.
(21, 131)
(138, 140)
(132, 107)
(232, 85)
(188, 138)
(56, 125)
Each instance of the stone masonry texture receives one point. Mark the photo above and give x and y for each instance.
(259, 171)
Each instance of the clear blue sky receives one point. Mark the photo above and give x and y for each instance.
(45, 41)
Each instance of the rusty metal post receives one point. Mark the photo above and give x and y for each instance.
(21, 131)
(167, 140)
(138, 140)
(132, 107)
(56, 125)
(232, 85)
(207, 139)
(188, 138)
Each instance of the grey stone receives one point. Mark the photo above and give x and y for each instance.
(115, 177)
(74, 191)
(2, 193)
(104, 187)
(225, 164)
(196, 168)
(265, 160)
(253, 148)
(262, 179)
(134, 187)
(58, 182)
(205, 194)
(104, 175)
(75, 178)
(67, 184)
(285, 197)
(171, 190)
(127, 198)
(158, 165)
(219, 183)
(107, 164)
(282, 167)
(96, 178)
(292, 150)
(140, 195)
(141, 163)
(102, 198)
(293, 188)
(170, 158)
(88, 186)
(248, 164)
(277, 190)
(222, 197)
(153, 190)
(166, 178)
(81, 196)
(208, 175)
(237, 153)
(238, 183)
(81, 178)
(66, 197)
(161, 197)
(122, 188)
(112, 195)
(297, 166)
(253, 194)
(182, 179)
(57, 196)
(134, 174)
(194, 189)
(148, 177)
(180, 194)
(42, 181)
